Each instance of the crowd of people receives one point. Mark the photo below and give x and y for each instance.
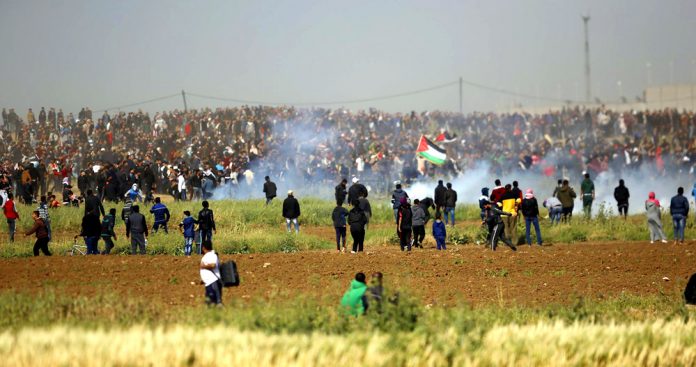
(188, 154)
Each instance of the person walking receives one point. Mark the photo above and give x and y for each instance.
(397, 195)
(11, 214)
(679, 209)
(530, 210)
(90, 231)
(107, 231)
(365, 206)
(511, 202)
(338, 217)
(450, 204)
(439, 196)
(137, 231)
(161, 214)
(418, 223)
(270, 190)
(210, 275)
(39, 230)
(498, 230)
(206, 224)
(126, 210)
(439, 232)
(654, 214)
(188, 229)
(291, 211)
(357, 222)
(353, 301)
(566, 195)
(404, 224)
(44, 215)
(587, 191)
(621, 194)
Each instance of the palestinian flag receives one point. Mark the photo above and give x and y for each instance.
(428, 150)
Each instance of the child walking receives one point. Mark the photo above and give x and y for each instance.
(439, 232)
(187, 227)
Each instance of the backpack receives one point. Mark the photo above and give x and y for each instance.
(229, 276)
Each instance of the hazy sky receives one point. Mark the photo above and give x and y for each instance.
(110, 53)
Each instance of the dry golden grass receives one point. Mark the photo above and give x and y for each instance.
(544, 344)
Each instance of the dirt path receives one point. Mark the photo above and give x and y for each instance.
(533, 275)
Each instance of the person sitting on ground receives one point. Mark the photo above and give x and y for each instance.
(210, 275)
(354, 301)
(53, 202)
(439, 232)
(39, 229)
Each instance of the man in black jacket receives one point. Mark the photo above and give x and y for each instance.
(440, 192)
(621, 195)
(679, 209)
(93, 204)
(355, 190)
(450, 203)
(270, 189)
(136, 230)
(291, 211)
(340, 192)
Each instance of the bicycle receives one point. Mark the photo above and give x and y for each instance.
(76, 248)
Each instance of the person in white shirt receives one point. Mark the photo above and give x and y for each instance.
(181, 185)
(210, 274)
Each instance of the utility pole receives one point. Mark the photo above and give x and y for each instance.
(461, 81)
(183, 95)
(588, 86)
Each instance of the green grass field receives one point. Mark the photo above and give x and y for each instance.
(250, 226)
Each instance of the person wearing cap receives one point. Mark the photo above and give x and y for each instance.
(291, 211)
(397, 195)
(355, 190)
(530, 210)
(270, 190)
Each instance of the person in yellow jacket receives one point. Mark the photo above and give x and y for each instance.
(511, 202)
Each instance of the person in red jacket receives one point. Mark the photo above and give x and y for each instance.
(11, 214)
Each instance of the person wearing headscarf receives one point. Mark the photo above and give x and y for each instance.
(654, 214)
(530, 210)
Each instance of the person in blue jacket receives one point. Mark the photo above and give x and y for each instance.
(161, 214)
(188, 228)
(439, 232)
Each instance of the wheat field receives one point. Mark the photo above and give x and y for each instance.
(657, 343)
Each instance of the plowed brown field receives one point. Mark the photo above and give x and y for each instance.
(532, 275)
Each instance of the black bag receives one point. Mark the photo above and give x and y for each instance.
(690, 291)
(229, 274)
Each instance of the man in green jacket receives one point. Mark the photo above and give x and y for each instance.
(587, 191)
(353, 301)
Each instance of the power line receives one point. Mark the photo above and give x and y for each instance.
(139, 103)
(352, 101)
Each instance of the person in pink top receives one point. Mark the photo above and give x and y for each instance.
(654, 214)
